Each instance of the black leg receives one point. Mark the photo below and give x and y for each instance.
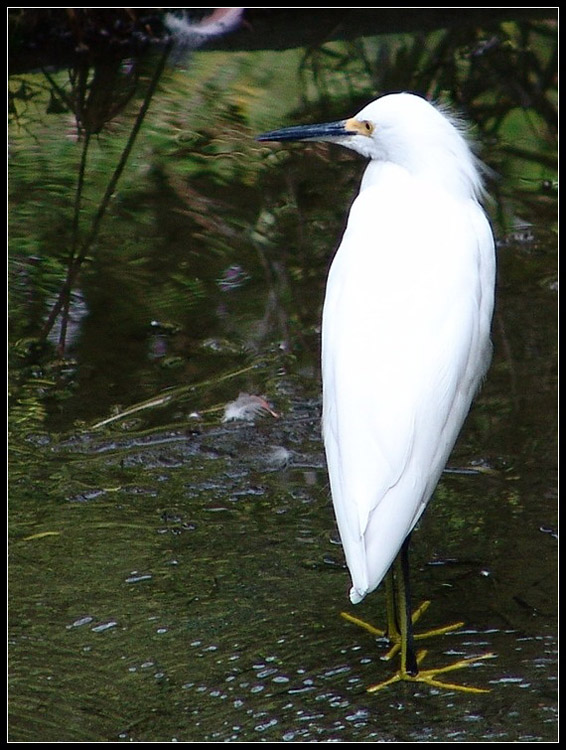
(400, 620)
(405, 613)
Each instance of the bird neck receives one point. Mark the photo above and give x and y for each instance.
(458, 182)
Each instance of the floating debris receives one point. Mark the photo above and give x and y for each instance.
(247, 407)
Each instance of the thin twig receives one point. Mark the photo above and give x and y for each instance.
(78, 258)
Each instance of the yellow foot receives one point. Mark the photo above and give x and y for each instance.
(394, 637)
(428, 676)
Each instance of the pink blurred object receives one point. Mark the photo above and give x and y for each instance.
(189, 36)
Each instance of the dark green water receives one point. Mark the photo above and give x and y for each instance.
(174, 577)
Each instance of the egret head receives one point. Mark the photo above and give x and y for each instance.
(403, 129)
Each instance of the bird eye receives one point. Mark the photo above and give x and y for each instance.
(367, 126)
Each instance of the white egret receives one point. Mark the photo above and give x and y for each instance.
(405, 338)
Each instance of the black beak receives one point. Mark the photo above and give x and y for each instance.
(323, 132)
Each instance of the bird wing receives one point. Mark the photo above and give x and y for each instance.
(405, 343)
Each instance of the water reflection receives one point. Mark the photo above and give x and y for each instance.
(177, 577)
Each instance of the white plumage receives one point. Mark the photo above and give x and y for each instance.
(406, 324)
